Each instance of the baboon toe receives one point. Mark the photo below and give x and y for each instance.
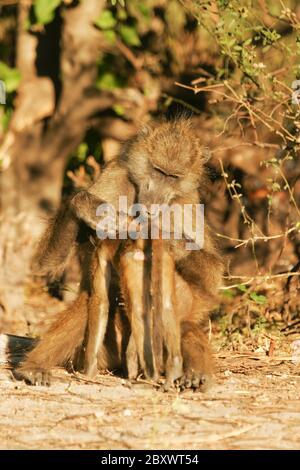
(37, 377)
(195, 380)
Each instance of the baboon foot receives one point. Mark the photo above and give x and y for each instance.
(196, 380)
(35, 376)
(174, 372)
(91, 370)
(197, 361)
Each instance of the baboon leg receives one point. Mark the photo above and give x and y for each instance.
(135, 286)
(132, 359)
(156, 310)
(197, 356)
(170, 321)
(55, 245)
(98, 308)
(193, 308)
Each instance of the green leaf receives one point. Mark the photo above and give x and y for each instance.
(6, 118)
(119, 109)
(45, 10)
(121, 14)
(228, 293)
(242, 287)
(110, 36)
(129, 35)
(10, 76)
(144, 9)
(108, 81)
(106, 20)
(259, 299)
(82, 151)
(121, 2)
(248, 42)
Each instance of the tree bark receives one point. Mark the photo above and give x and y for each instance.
(47, 125)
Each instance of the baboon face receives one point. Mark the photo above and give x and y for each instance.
(165, 162)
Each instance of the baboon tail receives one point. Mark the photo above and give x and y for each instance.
(56, 244)
(63, 339)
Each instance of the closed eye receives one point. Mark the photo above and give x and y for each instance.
(162, 172)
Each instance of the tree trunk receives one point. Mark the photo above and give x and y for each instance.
(49, 122)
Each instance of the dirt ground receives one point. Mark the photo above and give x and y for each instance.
(253, 404)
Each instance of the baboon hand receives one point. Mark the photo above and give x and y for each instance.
(84, 205)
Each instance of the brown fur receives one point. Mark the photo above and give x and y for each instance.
(62, 342)
(165, 320)
(164, 164)
(51, 255)
(147, 282)
(146, 274)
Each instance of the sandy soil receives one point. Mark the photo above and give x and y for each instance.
(254, 404)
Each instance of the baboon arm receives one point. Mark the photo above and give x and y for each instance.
(55, 245)
(112, 183)
(203, 271)
(202, 268)
(60, 235)
(84, 206)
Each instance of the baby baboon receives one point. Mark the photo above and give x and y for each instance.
(147, 276)
(62, 342)
(146, 273)
(162, 165)
(98, 313)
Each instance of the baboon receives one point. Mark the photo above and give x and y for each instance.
(53, 252)
(164, 164)
(146, 272)
(147, 280)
